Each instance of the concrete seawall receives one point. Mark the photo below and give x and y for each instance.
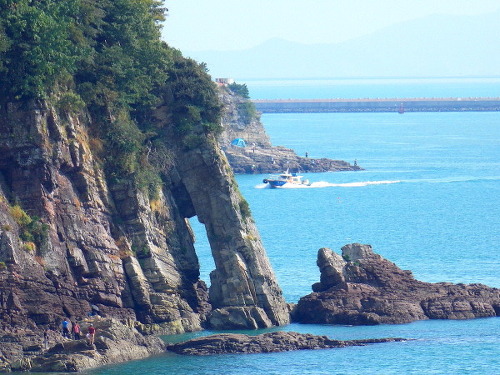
(378, 105)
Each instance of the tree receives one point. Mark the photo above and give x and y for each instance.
(239, 89)
(35, 45)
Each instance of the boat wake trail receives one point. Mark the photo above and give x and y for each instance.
(354, 184)
(324, 184)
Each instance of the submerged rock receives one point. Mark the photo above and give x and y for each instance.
(265, 343)
(362, 288)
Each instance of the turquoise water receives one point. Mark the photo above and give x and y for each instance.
(427, 200)
(452, 347)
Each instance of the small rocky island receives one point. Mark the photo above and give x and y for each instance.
(362, 288)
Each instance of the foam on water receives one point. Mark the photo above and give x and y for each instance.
(324, 184)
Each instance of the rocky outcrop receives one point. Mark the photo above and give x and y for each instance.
(114, 342)
(71, 238)
(259, 155)
(265, 343)
(360, 287)
(93, 243)
(244, 292)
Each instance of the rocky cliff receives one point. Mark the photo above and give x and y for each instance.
(360, 287)
(241, 120)
(71, 238)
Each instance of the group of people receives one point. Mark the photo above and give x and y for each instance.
(70, 329)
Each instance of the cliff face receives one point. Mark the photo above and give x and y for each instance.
(69, 239)
(241, 120)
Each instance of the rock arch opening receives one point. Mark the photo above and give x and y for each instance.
(203, 250)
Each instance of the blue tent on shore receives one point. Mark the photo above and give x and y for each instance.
(240, 142)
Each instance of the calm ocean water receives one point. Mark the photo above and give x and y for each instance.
(427, 200)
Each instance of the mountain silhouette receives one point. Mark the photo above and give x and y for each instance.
(433, 46)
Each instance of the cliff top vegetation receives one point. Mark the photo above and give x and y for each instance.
(106, 57)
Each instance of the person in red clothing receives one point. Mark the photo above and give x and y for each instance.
(91, 334)
(76, 331)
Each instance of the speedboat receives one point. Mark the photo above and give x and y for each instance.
(285, 178)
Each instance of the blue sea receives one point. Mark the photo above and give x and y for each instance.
(427, 200)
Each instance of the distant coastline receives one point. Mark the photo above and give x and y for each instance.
(400, 105)
(374, 88)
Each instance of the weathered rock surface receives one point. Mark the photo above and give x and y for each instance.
(260, 156)
(106, 243)
(362, 288)
(114, 342)
(244, 292)
(265, 343)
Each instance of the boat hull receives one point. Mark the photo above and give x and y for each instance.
(277, 181)
(276, 184)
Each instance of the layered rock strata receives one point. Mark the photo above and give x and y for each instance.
(259, 155)
(244, 292)
(71, 238)
(265, 343)
(362, 288)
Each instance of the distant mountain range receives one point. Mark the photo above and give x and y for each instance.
(439, 45)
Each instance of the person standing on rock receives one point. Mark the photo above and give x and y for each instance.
(65, 328)
(76, 331)
(91, 334)
(46, 338)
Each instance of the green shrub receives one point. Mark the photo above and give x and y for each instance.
(239, 89)
(30, 247)
(31, 229)
(70, 102)
(20, 216)
(244, 209)
(247, 111)
(149, 181)
(142, 252)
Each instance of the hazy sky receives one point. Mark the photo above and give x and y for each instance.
(240, 24)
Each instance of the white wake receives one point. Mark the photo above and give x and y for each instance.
(324, 184)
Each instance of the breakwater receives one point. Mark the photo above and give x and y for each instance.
(377, 105)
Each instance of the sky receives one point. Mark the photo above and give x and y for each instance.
(197, 25)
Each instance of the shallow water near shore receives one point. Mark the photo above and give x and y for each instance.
(427, 201)
(437, 347)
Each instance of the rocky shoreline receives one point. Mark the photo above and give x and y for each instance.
(358, 287)
(277, 159)
(265, 343)
(256, 154)
(119, 342)
(115, 342)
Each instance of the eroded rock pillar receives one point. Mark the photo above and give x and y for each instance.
(244, 292)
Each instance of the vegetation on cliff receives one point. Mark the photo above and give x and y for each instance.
(107, 57)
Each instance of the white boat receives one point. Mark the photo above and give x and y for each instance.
(286, 178)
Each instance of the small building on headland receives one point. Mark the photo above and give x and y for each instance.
(224, 81)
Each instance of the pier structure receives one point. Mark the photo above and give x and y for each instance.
(377, 105)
